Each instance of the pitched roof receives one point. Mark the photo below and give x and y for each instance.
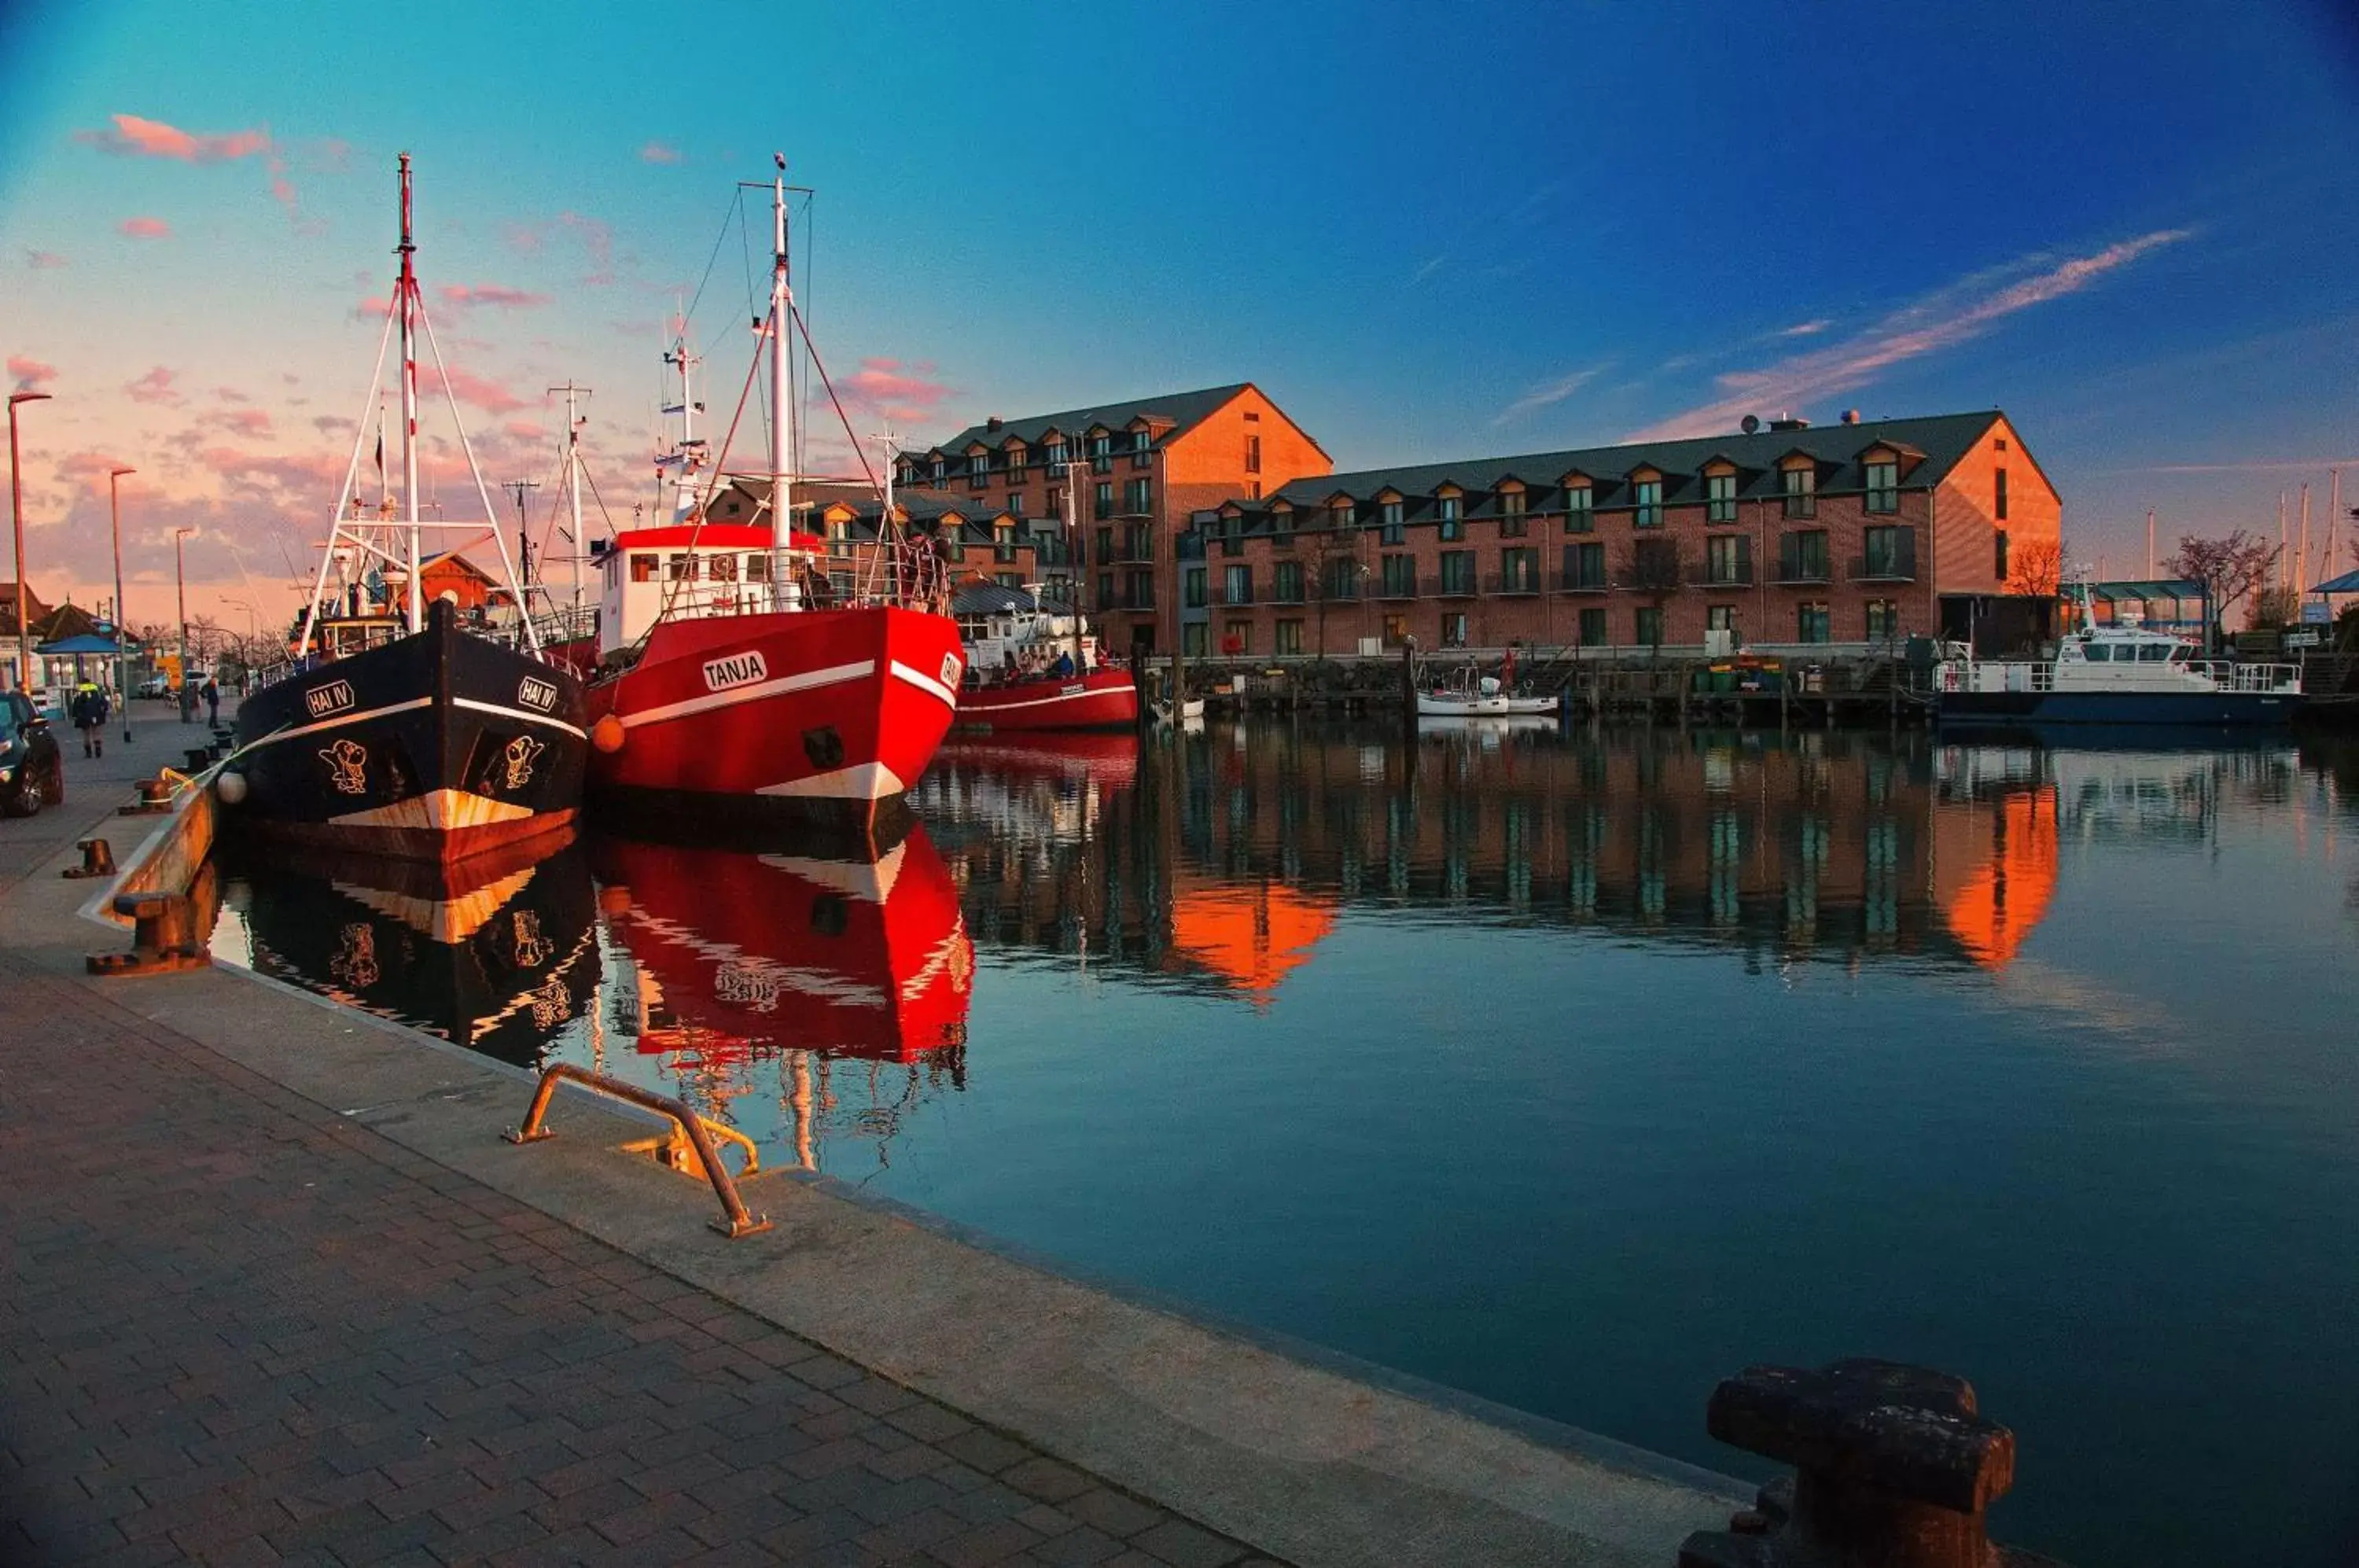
(991, 599)
(1944, 439)
(1183, 410)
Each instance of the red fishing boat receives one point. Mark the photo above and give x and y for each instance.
(753, 673)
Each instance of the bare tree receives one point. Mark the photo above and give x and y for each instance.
(2228, 569)
(2277, 607)
(2036, 568)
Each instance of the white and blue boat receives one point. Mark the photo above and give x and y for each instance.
(2117, 674)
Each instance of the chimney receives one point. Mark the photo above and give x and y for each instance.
(1790, 422)
(1850, 415)
(994, 424)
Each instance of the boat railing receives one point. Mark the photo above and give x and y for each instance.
(2230, 676)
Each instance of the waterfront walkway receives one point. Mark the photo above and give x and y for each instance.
(275, 1290)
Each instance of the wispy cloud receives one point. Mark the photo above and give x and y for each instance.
(1545, 394)
(659, 152)
(43, 260)
(497, 296)
(131, 136)
(484, 392)
(144, 228)
(895, 390)
(2286, 465)
(1430, 267)
(1944, 319)
(1804, 329)
(30, 375)
(155, 387)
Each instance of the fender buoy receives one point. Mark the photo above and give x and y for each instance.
(607, 734)
(230, 787)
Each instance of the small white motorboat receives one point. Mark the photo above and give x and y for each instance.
(1463, 696)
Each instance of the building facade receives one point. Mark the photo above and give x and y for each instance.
(1133, 474)
(1786, 534)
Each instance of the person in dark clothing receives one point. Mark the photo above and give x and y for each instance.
(89, 711)
(212, 702)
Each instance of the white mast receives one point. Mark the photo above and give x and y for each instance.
(405, 303)
(573, 423)
(782, 305)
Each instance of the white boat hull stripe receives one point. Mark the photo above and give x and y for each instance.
(1079, 696)
(804, 680)
(339, 721)
(523, 713)
(925, 683)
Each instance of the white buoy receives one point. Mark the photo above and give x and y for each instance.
(230, 787)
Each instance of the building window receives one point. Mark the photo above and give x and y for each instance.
(1236, 585)
(1056, 454)
(1015, 505)
(1454, 629)
(939, 466)
(1580, 514)
(1592, 627)
(1998, 494)
(1388, 514)
(1647, 500)
(1453, 526)
(1236, 639)
(1511, 514)
(1720, 497)
(1646, 626)
(1719, 617)
(1890, 554)
(1003, 543)
(1138, 496)
(1343, 574)
(1400, 577)
(1584, 565)
(1728, 560)
(1801, 492)
(1057, 504)
(1339, 516)
(1139, 542)
(1519, 569)
(1253, 454)
(978, 469)
(1105, 590)
(1289, 637)
(1882, 619)
(1396, 630)
(1104, 502)
(1192, 587)
(1287, 586)
(1138, 588)
(1102, 454)
(1998, 564)
(1884, 486)
(1192, 638)
(1802, 557)
(1812, 623)
(1009, 579)
(1142, 448)
(1458, 571)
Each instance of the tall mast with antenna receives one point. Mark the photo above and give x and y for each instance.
(406, 304)
(573, 478)
(782, 305)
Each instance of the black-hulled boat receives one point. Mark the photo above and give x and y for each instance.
(396, 731)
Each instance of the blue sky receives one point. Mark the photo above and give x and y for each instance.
(1426, 230)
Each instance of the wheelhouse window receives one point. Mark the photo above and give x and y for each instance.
(1720, 497)
(1884, 486)
(681, 568)
(643, 567)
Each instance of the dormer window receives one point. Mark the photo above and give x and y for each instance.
(1452, 523)
(1580, 507)
(1801, 482)
(978, 466)
(1720, 497)
(1388, 514)
(1883, 484)
(1102, 454)
(940, 466)
(1142, 448)
(1015, 461)
(1647, 498)
(1057, 453)
(1338, 515)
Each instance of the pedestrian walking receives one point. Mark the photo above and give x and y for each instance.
(89, 711)
(213, 702)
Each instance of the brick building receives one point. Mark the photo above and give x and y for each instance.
(1787, 534)
(1138, 470)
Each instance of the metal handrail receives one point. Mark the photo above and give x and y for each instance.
(740, 1225)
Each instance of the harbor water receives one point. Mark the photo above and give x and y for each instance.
(1570, 1070)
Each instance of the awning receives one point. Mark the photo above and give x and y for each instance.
(2346, 583)
(88, 642)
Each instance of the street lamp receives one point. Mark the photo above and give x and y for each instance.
(180, 590)
(115, 521)
(17, 510)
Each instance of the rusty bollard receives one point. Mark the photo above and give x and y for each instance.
(164, 938)
(1893, 1468)
(97, 859)
(155, 795)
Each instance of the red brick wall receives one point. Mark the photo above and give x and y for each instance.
(1965, 555)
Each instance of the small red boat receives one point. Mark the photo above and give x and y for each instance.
(1033, 665)
(751, 673)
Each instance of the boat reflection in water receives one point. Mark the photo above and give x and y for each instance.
(497, 953)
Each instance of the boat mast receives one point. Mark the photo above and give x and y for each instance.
(574, 479)
(406, 304)
(1072, 559)
(782, 304)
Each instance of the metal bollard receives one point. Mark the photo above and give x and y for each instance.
(200, 758)
(1894, 1468)
(164, 938)
(155, 795)
(97, 859)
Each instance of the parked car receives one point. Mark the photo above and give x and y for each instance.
(154, 686)
(32, 769)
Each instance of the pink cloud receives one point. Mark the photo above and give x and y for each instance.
(282, 189)
(658, 152)
(893, 389)
(493, 294)
(155, 387)
(43, 260)
(230, 394)
(595, 237)
(91, 467)
(255, 422)
(372, 309)
(30, 375)
(144, 228)
(488, 395)
(330, 424)
(522, 430)
(131, 136)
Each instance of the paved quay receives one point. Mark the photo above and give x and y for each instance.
(275, 1290)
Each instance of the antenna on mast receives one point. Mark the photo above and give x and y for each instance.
(573, 423)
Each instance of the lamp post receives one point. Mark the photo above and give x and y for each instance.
(181, 591)
(115, 521)
(17, 511)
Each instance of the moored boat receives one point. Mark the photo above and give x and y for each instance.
(1464, 695)
(394, 730)
(1033, 665)
(749, 675)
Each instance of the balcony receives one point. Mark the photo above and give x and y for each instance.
(1579, 581)
(1396, 588)
(1738, 576)
(1451, 587)
(1892, 560)
(1343, 592)
(1802, 574)
(1513, 583)
(1229, 596)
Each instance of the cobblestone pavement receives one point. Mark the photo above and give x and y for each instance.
(236, 1328)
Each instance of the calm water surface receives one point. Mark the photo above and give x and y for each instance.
(1575, 1072)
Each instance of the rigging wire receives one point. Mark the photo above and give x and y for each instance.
(718, 239)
